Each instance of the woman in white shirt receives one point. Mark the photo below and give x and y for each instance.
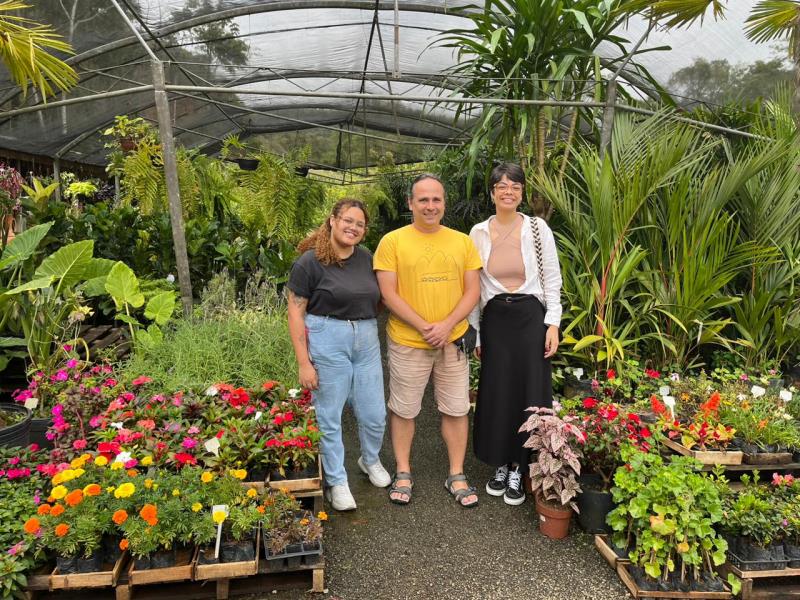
(517, 321)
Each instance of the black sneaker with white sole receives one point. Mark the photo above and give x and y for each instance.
(515, 493)
(497, 484)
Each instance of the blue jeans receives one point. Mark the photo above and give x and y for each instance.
(347, 357)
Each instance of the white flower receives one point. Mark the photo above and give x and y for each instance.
(171, 278)
(212, 391)
(675, 377)
(578, 373)
(116, 424)
(757, 391)
(664, 390)
(787, 416)
(294, 393)
(123, 457)
(740, 397)
(786, 395)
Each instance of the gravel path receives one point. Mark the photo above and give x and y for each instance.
(434, 549)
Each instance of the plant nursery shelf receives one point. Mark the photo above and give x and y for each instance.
(99, 579)
(299, 485)
(793, 466)
(768, 458)
(769, 585)
(603, 545)
(636, 592)
(708, 457)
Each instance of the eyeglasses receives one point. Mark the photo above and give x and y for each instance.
(504, 187)
(352, 222)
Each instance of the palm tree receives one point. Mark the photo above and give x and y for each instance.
(25, 49)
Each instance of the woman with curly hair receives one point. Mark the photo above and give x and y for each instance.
(333, 305)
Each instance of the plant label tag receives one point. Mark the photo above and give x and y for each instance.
(670, 402)
(212, 446)
(215, 509)
(31, 403)
(578, 373)
(664, 390)
(786, 396)
(258, 416)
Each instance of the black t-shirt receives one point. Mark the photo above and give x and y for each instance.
(347, 292)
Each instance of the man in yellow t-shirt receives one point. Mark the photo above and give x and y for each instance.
(428, 275)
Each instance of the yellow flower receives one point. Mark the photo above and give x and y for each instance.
(116, 466)
(110, 489)
(63, 476)
(219, 516)
(58, 478)
(252, 493)
(125, 490)
(239, 473)
(59, 492)
(155, 486)
(86, 456)
(101, 461)
(77, 463)
(303, 522)
(176, 492)
(148, 483)
(197, 507)
(206, 477)
(147, 461)
(322, 515)
(78, 472)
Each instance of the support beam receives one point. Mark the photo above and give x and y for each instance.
(173, 188)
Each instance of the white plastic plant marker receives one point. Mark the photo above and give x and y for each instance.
(257, 415)
(786, 395)
(214, 509)
(670, 402)
(663, 390)
(212, 446)
(578, 373)
(31, 403)
(757, 391)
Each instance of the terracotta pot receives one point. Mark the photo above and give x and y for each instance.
(553, 521)
(8, 225)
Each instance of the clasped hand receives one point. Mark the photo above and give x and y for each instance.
(436, 334)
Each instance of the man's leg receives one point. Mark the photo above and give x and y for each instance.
(409, 371)
(451, 380)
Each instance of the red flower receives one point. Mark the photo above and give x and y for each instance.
(141, 380)
(611, 374)
(267, 385)
(238, 397)
(219, 434)
(645, 432)
(589, 403)
(658, 407)
(634, 417)
(112, 448)
(185, 459)
(652, 373)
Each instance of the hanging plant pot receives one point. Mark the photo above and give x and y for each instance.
(128, 144)
(553, 521)
(247, 164)
(15, 424)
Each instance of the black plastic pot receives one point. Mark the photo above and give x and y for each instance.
(257, 474)
(247, 164)
(38, 430)
(206, 556)
(109, 546)
(157, 560)
(792, 553)
(306, 473)
(16, 435)
(594, 507)
(93, 564)
(753, 557)
(244, 551)
(577, 387)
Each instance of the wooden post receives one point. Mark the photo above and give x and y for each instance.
(173, 189)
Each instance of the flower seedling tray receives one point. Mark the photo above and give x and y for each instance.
(183, 569)
(299, 485)
(307, 558)
(771, 585)
(230, 570)
(603, 544)
(707, 457)
(757, 568)
(768, 458)
(98, 579)
(635, 591)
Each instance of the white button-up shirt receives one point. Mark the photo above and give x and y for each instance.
(490, 287)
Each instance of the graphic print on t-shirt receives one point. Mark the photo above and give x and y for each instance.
(436, 267)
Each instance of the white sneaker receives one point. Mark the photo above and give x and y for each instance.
(378, 476)
(340, 497)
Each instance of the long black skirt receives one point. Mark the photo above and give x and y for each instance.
(514, 376)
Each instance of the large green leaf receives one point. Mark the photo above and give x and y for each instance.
(23, 245)
(34, 284)
(10, 342)
(68, 264)
(96, 286)
(161, 307)
(98, 267)
(123, 286)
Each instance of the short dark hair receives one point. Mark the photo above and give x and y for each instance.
(511, 170)
(422, 177)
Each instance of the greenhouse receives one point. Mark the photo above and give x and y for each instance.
(271, 272)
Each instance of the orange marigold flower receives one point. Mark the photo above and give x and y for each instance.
(62, 529)
(123, 545)
(132, 472)
(149, 513)
(44, 509)
(260, 509)
(32, 525)
(57, 510)
(74, 498)
(120, 517)
(92, 490)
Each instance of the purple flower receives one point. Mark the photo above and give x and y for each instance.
(61, 375)
(72, 363)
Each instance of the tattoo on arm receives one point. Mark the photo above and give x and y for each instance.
(298, 301)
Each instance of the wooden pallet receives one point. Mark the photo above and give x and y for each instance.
(299, 485)
(782, 584)
(603, 545)
(183, 570)
(768, 458)
(99, 579)
(707, 457)
(223, 573)
(636, 592)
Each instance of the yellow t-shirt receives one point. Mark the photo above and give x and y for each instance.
(430, 276)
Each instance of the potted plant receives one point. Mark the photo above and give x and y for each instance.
(608, 428)
(235, 151)
(557, 441)
(15, 423)
(10, 187)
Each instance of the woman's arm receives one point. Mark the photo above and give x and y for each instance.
(297, 331)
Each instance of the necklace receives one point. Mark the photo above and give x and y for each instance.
(503, 234)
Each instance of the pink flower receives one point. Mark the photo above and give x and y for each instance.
(61, 375)
(72, 363)
(13, 461)
(189, 443)
(193, 430)
(33, 447)
(177, 401)
(141, 380)
(744, 377)
(96, 421)
(110, 382)
(589, 403)
(79, 444)
(131, 463)
(67, 348)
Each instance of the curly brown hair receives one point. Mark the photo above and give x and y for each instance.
(320, 239)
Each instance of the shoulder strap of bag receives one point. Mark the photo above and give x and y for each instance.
(537, 250)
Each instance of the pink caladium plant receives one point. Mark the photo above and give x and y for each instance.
(558, 442)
